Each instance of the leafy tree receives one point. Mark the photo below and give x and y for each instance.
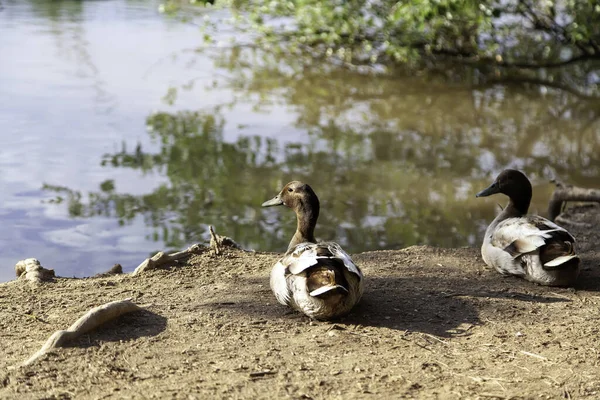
(514, 32)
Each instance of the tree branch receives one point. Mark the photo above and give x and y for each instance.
(564, 193)
(217, 243)
(556, 64)
(535, 81)
(161, 258)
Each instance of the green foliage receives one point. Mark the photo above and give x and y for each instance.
(172, 7)
(410, 31)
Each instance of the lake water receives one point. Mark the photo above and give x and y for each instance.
(124, 133)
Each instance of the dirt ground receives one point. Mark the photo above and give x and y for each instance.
(433, 324)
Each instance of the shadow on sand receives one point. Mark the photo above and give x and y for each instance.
(441, 307)
(128, 327)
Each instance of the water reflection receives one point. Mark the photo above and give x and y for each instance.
(72, 87)
(532, 125)
(366, 203)
(396, 160)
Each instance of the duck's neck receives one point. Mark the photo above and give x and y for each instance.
(517, 207)
(306, 216)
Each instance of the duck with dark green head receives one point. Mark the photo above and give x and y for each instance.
(527, 246)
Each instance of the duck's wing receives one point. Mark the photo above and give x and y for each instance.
(279, 284)
(339, 253)
(295, 260)
(518, 236)
(305, 255)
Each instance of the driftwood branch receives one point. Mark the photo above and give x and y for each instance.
(161, 258)
(563, 220)
(217, 242)
(31, 270)
(90, 321)
(564, 193)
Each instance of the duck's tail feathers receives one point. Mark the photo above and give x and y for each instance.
(326, 289)
(326, 278)
(558, 254)
(560, 261)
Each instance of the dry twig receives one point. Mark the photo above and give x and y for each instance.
(217, 241)
(533, 355)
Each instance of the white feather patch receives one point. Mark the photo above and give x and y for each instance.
(279, 284)
(526, 244)
(302, 263)
(304, 256)
(559, 260)
(325, 289)
(338, 252)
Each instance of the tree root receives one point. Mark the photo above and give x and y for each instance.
(116, 269)
(218, 241)
(90, 321)
(158, 260)
(573, 224)
(564, 193)
(31, 270)
(161, 258)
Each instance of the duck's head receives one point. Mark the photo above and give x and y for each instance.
(515, 185)
(296, 195)
(302, 199)
(510, 182)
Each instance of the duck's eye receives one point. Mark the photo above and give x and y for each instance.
(290, 190)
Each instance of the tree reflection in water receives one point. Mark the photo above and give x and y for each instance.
(396, 159)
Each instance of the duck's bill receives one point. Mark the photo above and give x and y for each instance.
(492, 189)
(275, 201)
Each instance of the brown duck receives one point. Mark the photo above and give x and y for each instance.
(318, 279)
